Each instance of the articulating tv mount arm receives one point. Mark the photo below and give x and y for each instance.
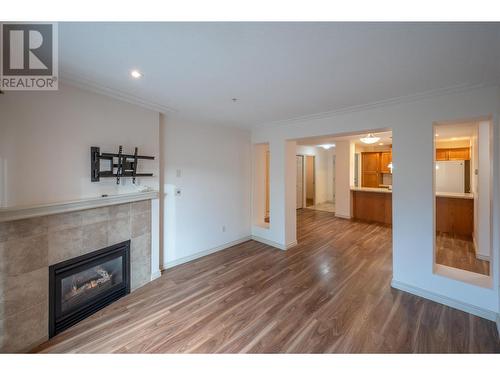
(126, 165)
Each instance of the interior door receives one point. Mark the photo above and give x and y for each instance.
(300, 181)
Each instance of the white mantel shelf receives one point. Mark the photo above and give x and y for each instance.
(24, 212)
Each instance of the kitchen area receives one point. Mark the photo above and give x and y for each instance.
(351, 176)
(371, 192)
(461, 177)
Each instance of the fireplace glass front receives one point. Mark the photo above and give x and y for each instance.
(81, 286)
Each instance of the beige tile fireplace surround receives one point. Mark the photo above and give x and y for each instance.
(29, 246)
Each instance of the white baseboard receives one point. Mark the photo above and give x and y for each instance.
(498, 324)
(204, 253)
(479, 256)
(274, 244)
(468, 308)
(155, 275)
(483, 257)
(348, 217)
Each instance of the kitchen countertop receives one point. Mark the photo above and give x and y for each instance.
(438, 194)
(372, 190)
(455, 195)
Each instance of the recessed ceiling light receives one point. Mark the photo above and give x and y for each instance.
(437, 135)
(136, 74)
(380, 144)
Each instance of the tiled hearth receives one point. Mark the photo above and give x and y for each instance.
(29, 246)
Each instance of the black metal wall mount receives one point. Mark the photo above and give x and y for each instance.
(126, 165)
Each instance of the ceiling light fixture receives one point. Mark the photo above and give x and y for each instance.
(370, 139)
(380, 144)
(136, 74)
(327, 146)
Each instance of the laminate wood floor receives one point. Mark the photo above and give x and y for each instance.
(329, 294)
(459, 253)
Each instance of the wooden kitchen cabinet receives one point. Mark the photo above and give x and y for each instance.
(441, 154)
(459, 153)
(370, 168)
(455, 216)
(373, 165)
(385, 160)
(373, 207)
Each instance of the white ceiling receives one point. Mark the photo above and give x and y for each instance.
(276, 70)
(450, 132)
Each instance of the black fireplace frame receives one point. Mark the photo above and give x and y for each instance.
(58, 322)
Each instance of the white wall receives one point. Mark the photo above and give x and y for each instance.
(484, 201)
(215, 183)
(343, 178)
(474, 144)
(413, 196)
(259, 193)
(45, 140)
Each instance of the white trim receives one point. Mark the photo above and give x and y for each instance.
(498, 324)
(347, 217)
(474, 241)
(273, 244)
(483, 281)
(155, 275)
(483, 257)
(82, 83)
(204, 253)
(155, 237)
(471, 309)
(24, 212)
(382, 103)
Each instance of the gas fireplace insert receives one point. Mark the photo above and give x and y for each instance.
(81, 286)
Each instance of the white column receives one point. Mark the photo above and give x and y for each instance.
(343, 175)
(155, 239)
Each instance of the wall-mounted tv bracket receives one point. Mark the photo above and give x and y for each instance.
(125, 166)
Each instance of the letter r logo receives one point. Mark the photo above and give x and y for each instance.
(27, 49)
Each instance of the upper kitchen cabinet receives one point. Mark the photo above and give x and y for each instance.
(370, 164)
(459, 153)
(385, 161)
(441, 154)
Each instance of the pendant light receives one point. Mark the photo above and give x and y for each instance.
(370, 139)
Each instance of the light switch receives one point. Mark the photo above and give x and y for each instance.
(178, 173)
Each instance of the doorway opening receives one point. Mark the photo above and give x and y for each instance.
(463, 196)
(334, 170)
(315, 178)
(261, 210)
(352, 195)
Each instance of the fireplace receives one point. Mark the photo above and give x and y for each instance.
(81, 286)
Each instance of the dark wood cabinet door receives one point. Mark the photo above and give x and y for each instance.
(370, 167)
(385, 160)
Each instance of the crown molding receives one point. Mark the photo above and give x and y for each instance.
(377, 104)
(85, 84)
